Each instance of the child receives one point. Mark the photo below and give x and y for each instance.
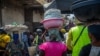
(92, 49)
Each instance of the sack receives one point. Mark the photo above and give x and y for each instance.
(31, 50)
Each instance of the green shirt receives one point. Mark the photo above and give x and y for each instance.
(82, 41)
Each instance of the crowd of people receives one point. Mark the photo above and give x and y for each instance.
(83, 39)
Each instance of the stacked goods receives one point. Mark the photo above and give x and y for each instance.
(15, 27)
(52, 19)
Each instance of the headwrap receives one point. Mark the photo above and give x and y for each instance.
(52, 21)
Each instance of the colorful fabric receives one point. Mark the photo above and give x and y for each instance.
(72, 36)
(15, 49)
(53, 48)
(4, 39)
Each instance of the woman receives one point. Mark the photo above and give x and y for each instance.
(53, 47)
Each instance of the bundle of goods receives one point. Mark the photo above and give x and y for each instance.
(15, 27)
(52, 19)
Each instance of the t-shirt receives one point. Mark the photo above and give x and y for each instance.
(73, 35)
(53, 48)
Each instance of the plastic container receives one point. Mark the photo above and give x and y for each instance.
(52, 23)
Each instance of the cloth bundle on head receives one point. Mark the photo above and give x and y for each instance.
(52, 19)
(52, 14)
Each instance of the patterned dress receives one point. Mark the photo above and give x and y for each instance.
(15, 49)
